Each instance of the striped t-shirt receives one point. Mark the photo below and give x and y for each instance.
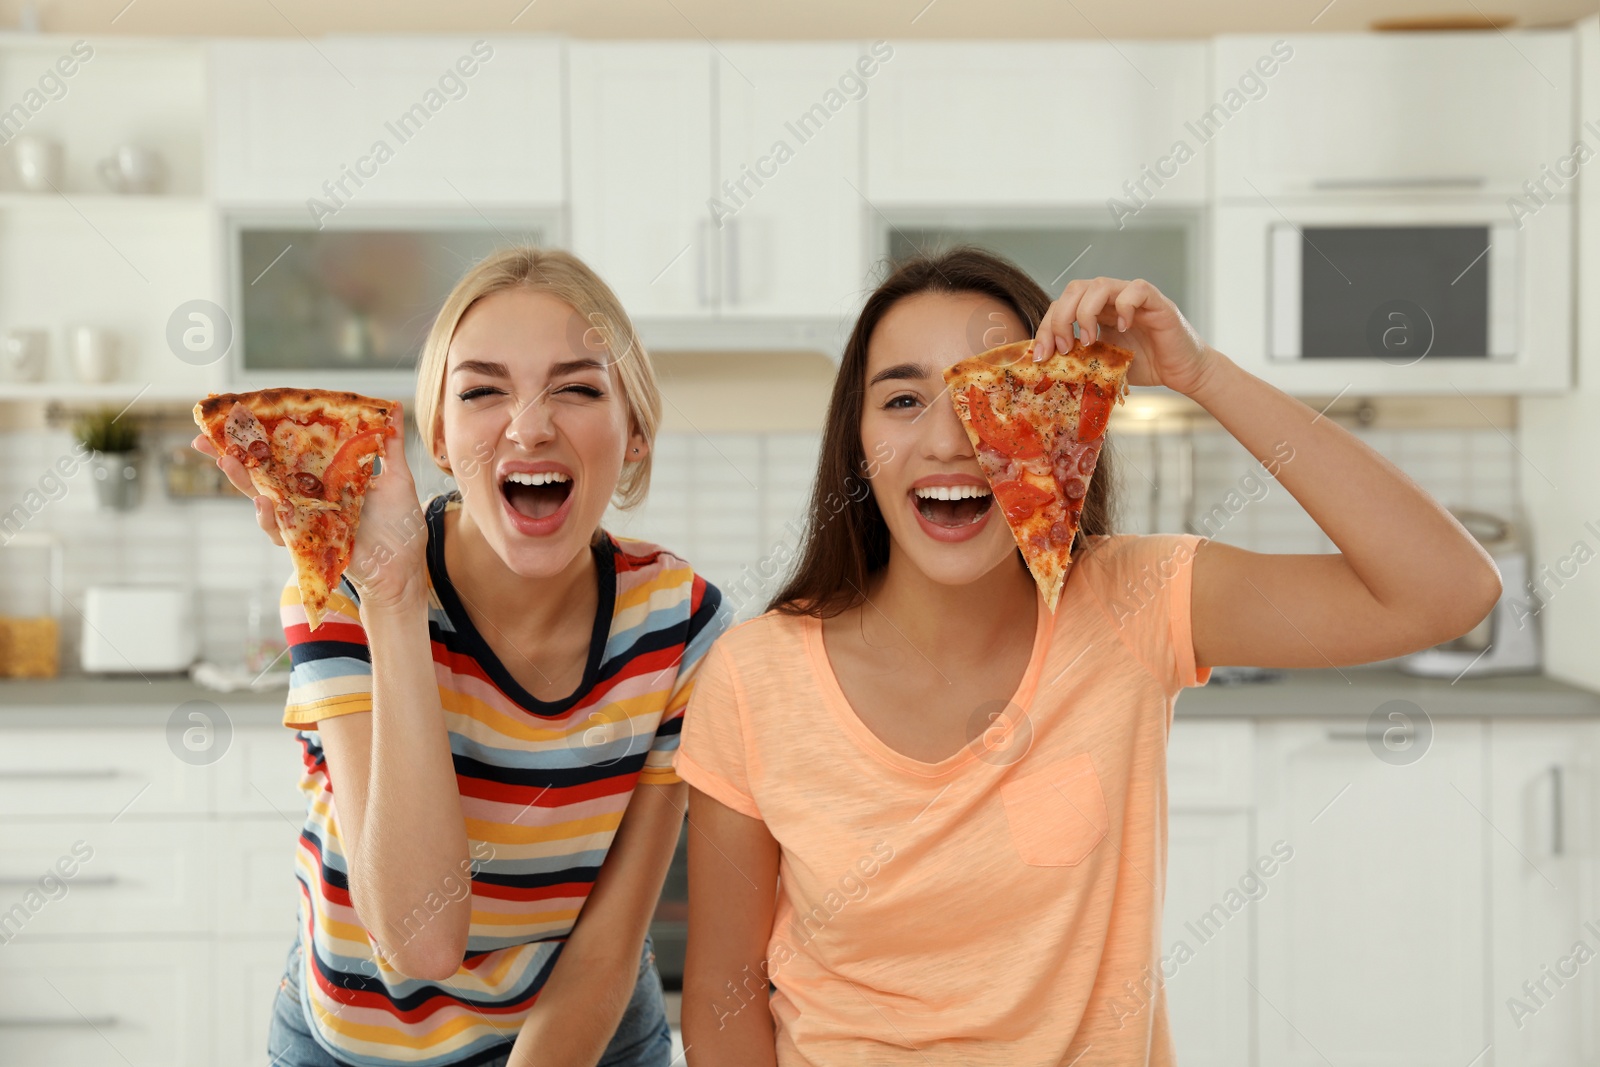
(543, 787)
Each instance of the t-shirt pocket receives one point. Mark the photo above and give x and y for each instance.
(1058, 814)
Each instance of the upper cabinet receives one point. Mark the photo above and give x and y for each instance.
(1435, 112)
(1027, 123)
(719, 182)
(788, 196)
(642, 172)
(458, 122)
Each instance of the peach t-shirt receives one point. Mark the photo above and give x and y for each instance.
(1002, 906)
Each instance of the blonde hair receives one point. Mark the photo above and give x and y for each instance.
(568, 278)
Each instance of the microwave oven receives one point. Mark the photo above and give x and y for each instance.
(1440, 294)
(1398, 292)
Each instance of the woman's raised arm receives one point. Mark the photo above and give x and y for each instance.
(392, 772)
(1407, 575)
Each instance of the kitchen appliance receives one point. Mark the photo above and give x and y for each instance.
(1399, 293)
(1434, 289)
(138, 628)
(1507, 640)
(344, 300)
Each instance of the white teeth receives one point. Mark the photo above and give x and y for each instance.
(541, 478)
(950, 492)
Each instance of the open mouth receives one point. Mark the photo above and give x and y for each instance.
(537, 496)
(953, 506)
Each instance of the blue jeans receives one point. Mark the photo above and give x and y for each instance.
(643, 1038)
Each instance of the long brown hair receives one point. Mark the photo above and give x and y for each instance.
(846, 539)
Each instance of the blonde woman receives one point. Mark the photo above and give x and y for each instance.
(490, 709)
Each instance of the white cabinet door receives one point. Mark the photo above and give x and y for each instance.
(1021, 123)
(454, 122)
(1373, 942)
(1450, 111)
(788, 199)
(642, 173)
(123, 773)
(247, 973)
(260, 774)
(106, 1004)
(95, 878)
(256, 888)
(1545, 990)
(1206, 942)
(1207, 929)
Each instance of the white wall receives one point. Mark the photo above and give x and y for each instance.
(1561, 436)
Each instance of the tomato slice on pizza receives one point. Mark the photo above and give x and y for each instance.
(310, 451)
(1038, 429)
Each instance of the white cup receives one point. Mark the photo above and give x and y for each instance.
(94, 353)
(24, 354)
(131, 169)
(37, 161)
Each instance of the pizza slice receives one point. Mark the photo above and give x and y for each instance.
(1037, 429)
(311, 452)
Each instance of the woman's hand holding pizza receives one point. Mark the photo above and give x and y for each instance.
(1140, 318)
(388, 562)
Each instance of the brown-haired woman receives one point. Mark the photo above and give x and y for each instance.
(928, 817)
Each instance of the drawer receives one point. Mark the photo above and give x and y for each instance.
(105, 1004)
(98, 773)
(1211, 764)
(257, 891)
(260, 774)
(247, 975)
(126, 878)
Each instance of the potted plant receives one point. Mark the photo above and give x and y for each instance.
(114, 443)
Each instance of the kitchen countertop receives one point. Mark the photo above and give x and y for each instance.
(1355, 692)
(1350, 692)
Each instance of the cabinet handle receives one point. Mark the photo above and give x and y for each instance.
(1557, 813)
(68, 773)
(95, 880)
(1427, 182)
(731, 250)
(705, 249)
(78, 1022)
(1347, 735)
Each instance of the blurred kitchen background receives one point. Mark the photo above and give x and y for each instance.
(1390, 211)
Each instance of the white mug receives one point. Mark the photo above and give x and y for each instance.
(37, 161)
(131, 169)
(94, 353)
(26, 352)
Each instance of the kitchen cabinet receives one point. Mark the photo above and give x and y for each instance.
(1207, 941)
(1373, 942)
(718, 183)
(449, 122)
(642, 169)
(789, 171)
(1543, 990)
(1442, 113)
(1028, 123)
(162, 932)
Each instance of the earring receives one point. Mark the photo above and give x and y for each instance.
(636, 451)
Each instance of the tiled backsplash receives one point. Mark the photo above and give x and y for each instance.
(730, 503)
